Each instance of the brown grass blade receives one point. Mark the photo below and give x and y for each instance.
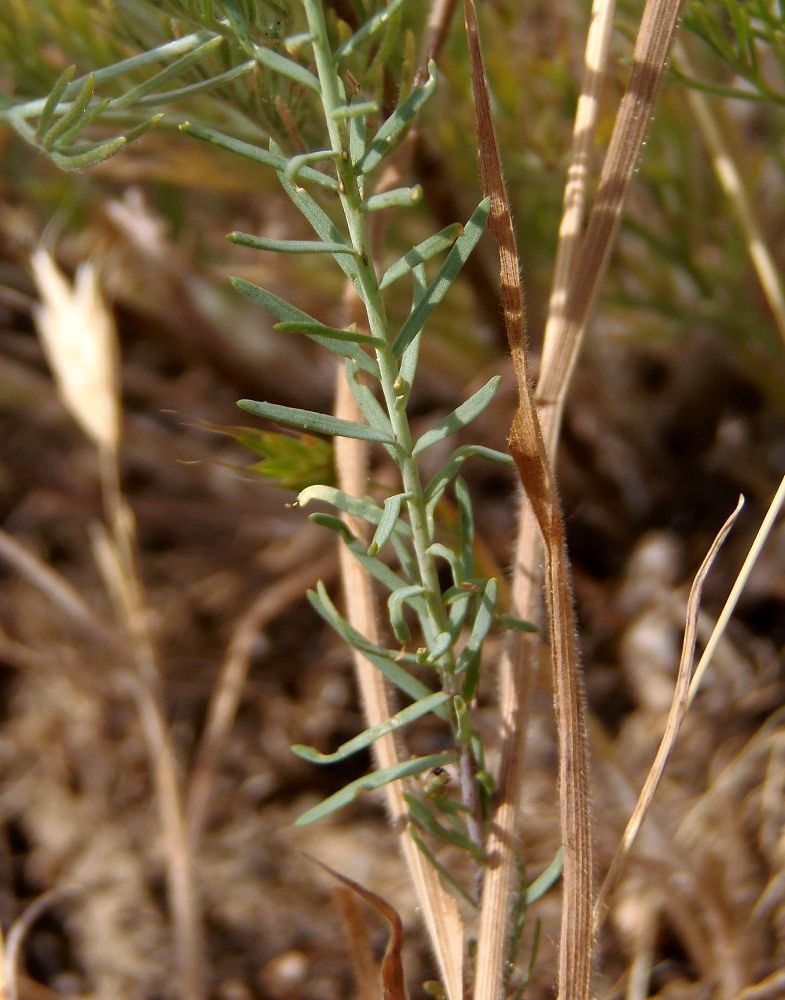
(673, 723)
(439, 910)
(393, 981)
(528, 450)
(358, 942)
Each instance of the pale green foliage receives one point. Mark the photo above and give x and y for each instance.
(303, 69)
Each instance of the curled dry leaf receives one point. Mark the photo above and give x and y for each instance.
(393, 982)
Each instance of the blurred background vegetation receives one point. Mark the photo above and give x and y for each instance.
(678, 405)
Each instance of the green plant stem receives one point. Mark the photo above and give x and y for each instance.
(437, 619)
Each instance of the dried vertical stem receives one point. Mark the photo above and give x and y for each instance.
(652, 47)
(578, 278)
(575, 189)
(518, 664)
(528, 450)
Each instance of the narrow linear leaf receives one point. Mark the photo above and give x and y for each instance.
(378, 570)
(389, 522)
(395, 603)
(407, 715)
(372, 781)
(394, 128)
(482, 621)
(287, 313)
(286, 67)
(439, 646)
(443, 872)
(466, 526)
(516, 624)
(53, 100)
(384, 660)
(440, 481)
(411, 355)
(90, 157)
(289, 246)
(361, 507)
(546, 879)
(367, 403)
(86, 119)
(74, 113)
(448, 272)
(142, 128)
(460, 417)
(255, 153)
(131, 96)
(360, 109)
(320, 222)
(367, 30)
(310, 420)
(435, 244)
(331, 332)
(405, 555)
(296, 163)
(441, 551)
(357, 136)
(423, 815)
(403, 197)
(200, 87)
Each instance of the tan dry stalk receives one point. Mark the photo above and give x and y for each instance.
(575, 189)
(518, 664)
(738, 585)
(652, 47)
(116, 557)
(528, 450)
(230, 685)
(438, 908)
(732, 184)
(559, 355)
(79, 339)
(678, 710)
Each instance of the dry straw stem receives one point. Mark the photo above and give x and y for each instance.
(79, 339)
(439, 910)
(676, 714)
(581, 270)
(520, 652)
(528, 450)
(732, 183)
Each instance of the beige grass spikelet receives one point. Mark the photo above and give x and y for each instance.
(78, 335)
